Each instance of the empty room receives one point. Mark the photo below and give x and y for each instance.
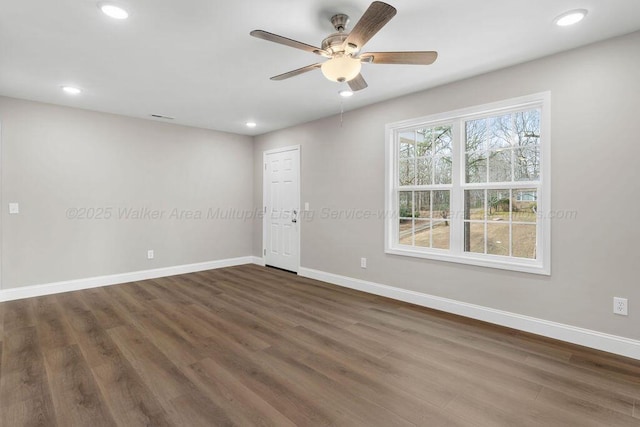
(319, 213)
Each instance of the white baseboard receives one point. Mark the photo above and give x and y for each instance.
(258, 260)
(585, 337)
(115, 279)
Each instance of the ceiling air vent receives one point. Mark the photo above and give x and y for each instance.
(159, 116)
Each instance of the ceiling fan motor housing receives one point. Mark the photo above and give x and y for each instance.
(334, 43)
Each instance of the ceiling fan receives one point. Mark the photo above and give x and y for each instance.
(343, 48)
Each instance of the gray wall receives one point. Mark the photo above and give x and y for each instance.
(56, 158)
(595, 150)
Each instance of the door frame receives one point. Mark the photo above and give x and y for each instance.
(2, 207)
(264, 200)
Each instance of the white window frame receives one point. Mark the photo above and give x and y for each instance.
(542, 263)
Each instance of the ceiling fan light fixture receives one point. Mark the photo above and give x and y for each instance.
(346, 93)
(341, 68)
(571, 17)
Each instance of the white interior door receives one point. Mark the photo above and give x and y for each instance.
(281, 234)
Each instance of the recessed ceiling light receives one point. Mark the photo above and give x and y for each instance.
(251, 124)
(71, 90)
(345, 93)
(113, 11)
(571, 17)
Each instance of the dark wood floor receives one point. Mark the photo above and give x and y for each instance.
(254, 346)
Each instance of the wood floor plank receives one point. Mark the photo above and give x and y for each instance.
(180, 316)
(25, 397)
(220, 323)
(626, 370)
(397, 407)
(249, 345)
(164, 289)
(360, 372)
(100, 304)
(166, 337)
(94, 343)
(18, 314)
(472, 339)
(197, 411)
(421, 357)
(579, 380)
(243, 405)
(159, 330)
(593, 411)
(257, 311)
(301, 408)
(261, 328)
(496, 362)
(278, 303)
(52, 327)
(479, 413)
(329, 304)
(129, 399)
(35, 412)
(301, 381)
(351, 407)
(139, 290)
(163, 378)
(485, 411)
(196, 289)
(128, 303)
(76, 397)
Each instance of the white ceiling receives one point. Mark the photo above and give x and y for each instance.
(194, 59)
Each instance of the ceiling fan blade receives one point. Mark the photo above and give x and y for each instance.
(372, 21)
(296, 72)
(264, 35)
(357, 83)
(413, 58)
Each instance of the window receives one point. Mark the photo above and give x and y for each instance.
(425, 164)
(471, 186)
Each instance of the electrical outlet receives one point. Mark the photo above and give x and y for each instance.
(363, 262)
(620, 306)
(150, 254)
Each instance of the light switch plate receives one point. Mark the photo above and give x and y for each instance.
(14, 208)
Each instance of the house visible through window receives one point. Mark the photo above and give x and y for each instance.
(468, 186)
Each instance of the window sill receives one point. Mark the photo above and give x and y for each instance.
(488, 261)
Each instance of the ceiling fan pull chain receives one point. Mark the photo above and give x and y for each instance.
(341, 112)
